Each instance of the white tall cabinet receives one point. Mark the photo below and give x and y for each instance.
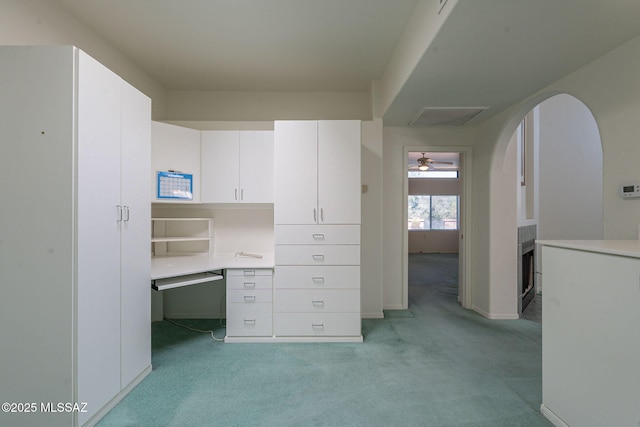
(317, 230)
(74, 238)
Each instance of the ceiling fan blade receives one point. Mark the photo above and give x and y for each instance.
(437, 162)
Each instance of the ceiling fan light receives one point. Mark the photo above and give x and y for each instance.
(423, 167)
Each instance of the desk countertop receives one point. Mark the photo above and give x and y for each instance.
(180, 265)
(627, 248)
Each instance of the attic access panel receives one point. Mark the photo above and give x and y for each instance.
(445, 116)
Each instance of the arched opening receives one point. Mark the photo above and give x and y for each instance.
(546, 183)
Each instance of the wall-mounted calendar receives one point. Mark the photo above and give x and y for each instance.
(175, 185)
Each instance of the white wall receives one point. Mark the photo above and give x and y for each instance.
(44, 22)
(570, 178)
(372, 221)
(608, 87)
(264, 106)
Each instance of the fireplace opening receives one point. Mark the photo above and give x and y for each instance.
(527, 275)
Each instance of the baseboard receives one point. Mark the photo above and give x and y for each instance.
(291, 339)
(192, 315)
(117, 398)
(555, 420)
(492, 316)
(394, 307)
(379, 315)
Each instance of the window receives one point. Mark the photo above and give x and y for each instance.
(433, 174)
(429, 212)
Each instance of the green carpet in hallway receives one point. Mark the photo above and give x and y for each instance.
(433, 365)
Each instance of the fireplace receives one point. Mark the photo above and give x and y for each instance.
(526, 266)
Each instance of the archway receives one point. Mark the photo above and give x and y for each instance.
(563, 123)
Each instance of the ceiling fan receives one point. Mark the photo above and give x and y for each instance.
(425, 163)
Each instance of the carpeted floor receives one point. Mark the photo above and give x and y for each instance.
(435, 364)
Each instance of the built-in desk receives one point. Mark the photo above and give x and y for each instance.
(184, 265)
(590, 338)
(180, 270)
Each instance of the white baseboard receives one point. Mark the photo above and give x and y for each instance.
(291, 339)
(394, 307)
(493, 316)
(117, 398)
(555, 420)
(379, 315)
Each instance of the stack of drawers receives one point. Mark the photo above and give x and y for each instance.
(249, 302)
(317, 281)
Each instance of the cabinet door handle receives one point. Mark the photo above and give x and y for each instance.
(318, 236)
(317, 303)
(249, 272)
(249, 298)
(235, 193)
(250, 285)
(126, 213)
(318, 257)
(319, 326)
(322, 214)
(119, 213)
(249, 321)
(318, 279)
(242, 194)
(315, 216)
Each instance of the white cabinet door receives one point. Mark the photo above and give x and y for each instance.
(237, 167)
(98, 302)
(339, 172)
(220, 166)
(256, 166)
(175, 148)
(317, 172)
(135, 234)
(296, 172)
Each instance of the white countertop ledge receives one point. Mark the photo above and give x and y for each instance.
(181, 265)
(627, 248)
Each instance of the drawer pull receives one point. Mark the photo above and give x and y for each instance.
(249, 272)
(249, 298)
(249, 321)
(250, 285)
(318, 257)
(317, 279)
(317, 303)
(319, 326)
(318, 236)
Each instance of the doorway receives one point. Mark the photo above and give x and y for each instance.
(441, 158)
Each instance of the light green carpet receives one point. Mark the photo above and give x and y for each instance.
(434, 365)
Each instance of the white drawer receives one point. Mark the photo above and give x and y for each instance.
(317, 234)
(317, 254)
(317, 277)
(317, 324)
(317, 301)
(249, 282)
(249, 320)
(249, 272)
(249, 297)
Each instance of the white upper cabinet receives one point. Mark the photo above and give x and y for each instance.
(237, 166)
(339, 182)
(296, 172)
(317, 172)
(175, 148)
